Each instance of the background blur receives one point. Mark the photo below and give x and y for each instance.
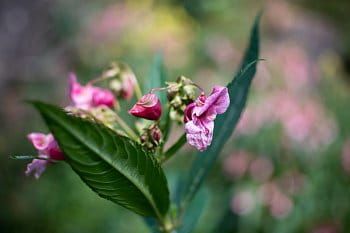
(288, 167)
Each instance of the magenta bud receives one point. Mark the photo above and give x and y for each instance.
(147, 107)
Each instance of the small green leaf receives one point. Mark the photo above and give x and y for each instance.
(157, 77)
(113, 166)
(225, 123)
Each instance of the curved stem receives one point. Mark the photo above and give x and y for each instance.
(173, 149)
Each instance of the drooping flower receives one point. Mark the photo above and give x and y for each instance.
(123, 80)
(200, 115)
(47, 148)
(147, 107)
(89, 96)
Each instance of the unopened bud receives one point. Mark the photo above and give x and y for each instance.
(151, 137)
(148, 107)
(112, 71)
(176, 102)
(173, 88)
(190, 92)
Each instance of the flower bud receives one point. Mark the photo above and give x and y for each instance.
(173, 89)
(176, 102)
(156, 134)
(128, 82)
(147, 107)
(180, 94)
(151, 137)
(190, 92)
(115, 85)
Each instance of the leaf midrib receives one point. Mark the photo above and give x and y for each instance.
(150, 199)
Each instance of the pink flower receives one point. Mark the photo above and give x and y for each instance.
(128, 83)
(87, 97)
(47, 148)
(147, 107)
(102, 97)
(199, 117)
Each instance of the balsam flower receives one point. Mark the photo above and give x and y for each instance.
(47, 148)
(147, 107)
(199, 117)
(89, 96)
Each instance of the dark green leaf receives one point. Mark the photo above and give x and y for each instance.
(226, 123)
(113, 166)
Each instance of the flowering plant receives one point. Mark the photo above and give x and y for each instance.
(123, 163)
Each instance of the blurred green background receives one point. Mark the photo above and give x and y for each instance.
(288, 166)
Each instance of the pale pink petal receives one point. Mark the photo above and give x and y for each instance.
(81, 96)
(37, 166)
(216, 103)
(40, 141)
(200, 135)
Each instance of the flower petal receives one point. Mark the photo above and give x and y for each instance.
(37, 166)
(81, 96)
(199, 135)
(216, 103)
(39, 140)
(102, 97)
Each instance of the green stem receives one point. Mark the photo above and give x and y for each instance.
(18, 157)
(126, 128)
(173, 149)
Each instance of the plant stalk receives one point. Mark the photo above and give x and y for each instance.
(126, 128)
(173, 149)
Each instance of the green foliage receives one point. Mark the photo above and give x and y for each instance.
(194, 212)
(226, 123)
(157, 78)
(113, 166)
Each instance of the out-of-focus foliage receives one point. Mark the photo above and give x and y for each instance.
(286, 169)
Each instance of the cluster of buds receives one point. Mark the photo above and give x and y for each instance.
(151, 137)
(180, 94)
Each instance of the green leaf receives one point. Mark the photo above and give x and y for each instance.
(194, 212)
(225, 123)
(113, 166)
(157, 77)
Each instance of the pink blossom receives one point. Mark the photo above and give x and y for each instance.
(243, 202)
(102, 97)
(87, 97)
(237, 163)
(199, 117)
(147, 107)
(47, 148)
(128, 83)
